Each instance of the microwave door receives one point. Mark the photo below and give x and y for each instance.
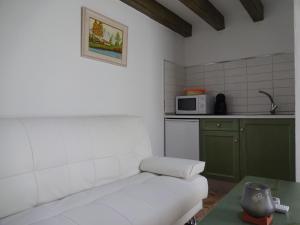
(187, 105)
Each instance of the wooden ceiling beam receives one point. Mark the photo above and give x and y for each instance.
(207, 11)
(255, 9)
(162, 15)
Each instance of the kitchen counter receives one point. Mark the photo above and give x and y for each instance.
(232, 116)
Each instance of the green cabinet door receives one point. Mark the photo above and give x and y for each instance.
(267, 148)
(220, 151)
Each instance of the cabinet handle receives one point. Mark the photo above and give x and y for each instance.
(242, 129)
(235, 141)
(218, 125)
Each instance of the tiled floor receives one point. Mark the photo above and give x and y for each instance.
(217, 190)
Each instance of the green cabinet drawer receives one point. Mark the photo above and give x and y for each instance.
(219, 124)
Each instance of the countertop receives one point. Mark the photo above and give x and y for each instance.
(232, 116)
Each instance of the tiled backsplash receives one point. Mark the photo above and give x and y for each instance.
(239, 80)
(174, 83)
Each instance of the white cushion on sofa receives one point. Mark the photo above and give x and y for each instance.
(183, 168)
(145, 199)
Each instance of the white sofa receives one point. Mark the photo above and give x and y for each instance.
(88, 171)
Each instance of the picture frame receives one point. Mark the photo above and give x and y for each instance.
(103, 39)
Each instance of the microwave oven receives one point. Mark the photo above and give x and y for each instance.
(194, 104)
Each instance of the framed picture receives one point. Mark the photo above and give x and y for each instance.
(103, 38)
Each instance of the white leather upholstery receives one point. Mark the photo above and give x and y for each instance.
(143, 199)
(86, 172)
(45, 159)
(182, 168)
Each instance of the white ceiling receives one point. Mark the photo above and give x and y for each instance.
(231, 9)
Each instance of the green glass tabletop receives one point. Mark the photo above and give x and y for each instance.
(229, 212)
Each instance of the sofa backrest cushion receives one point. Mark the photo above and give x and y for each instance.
(45, 159)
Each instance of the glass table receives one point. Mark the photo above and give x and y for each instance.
(229, 212)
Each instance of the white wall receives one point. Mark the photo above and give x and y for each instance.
(243, 38)
(42, 73)
(297, 83)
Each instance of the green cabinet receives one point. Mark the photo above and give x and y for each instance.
(220, 151)
(267, 148)
(234, 148)
(220, 148)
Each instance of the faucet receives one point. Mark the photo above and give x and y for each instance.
(273, 105)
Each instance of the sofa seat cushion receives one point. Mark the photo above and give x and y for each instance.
(143, 199)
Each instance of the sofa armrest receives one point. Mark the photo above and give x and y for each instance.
(175, 167)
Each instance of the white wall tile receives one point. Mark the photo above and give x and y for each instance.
(282, 83)
(170, 80)
(284, 66)
(259, 69)
(174, 83)
(283, 58)
(235, 64)
(194, 69)
(218, 88)
(284, 99)
(168, 66)
(258, 108)
(214, 74)
(195, 76)
(283, 91)
(236, 86)
(217, 81)
(260, 77)
(236, 79)
(285, 74)
(233, 109)
(191, 83)
(259, 61)
(213, 66)
(260, 85)
(237, 101)
(285, 108)
(262, 100)
(237, 93)
(236, 71)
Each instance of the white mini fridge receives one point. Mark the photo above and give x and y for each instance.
(182, 138)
